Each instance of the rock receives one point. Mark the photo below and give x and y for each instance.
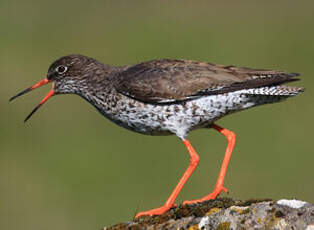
(228, 214)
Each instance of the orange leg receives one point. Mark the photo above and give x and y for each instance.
(231, 138)
(194, 159)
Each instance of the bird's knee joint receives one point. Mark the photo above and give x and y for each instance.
(195, 160)
(231, 136)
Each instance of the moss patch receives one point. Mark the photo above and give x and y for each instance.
(212, 211)
(197, 210)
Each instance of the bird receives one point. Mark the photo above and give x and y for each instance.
(168, 97)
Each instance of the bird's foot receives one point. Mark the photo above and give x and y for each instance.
(210, 196)
(156, 211)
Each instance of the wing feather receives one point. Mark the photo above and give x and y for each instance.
(164, 81)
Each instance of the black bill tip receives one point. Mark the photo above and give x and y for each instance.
(49, 94)
(20, 94)
(34, 110)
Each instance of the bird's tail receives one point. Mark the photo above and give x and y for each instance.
(278, 90)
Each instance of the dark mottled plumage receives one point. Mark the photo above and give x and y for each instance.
(164, 97)
(168, 96)
(167, 80)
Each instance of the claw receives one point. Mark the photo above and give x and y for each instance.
(156, 211)
(211, 196)
(225, 190)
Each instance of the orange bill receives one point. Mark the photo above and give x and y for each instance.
(38, 84)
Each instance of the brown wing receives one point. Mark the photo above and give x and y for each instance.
(164, 81)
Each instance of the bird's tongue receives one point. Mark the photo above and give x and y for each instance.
(38, 84)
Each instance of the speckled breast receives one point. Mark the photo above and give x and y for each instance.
(178, 118)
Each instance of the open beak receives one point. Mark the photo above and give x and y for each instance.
(38, 84)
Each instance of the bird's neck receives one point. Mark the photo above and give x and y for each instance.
(100, 94)
(97, 88)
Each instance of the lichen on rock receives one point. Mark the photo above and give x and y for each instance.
(229, 214)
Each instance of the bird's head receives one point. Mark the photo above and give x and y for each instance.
(66, 74)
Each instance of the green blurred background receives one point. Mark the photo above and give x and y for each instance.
(69, 168)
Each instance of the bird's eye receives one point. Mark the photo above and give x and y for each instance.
(61, 69)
